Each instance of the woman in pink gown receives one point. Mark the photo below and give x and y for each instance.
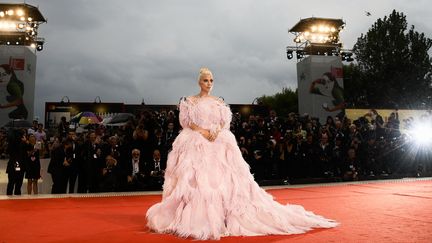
(209, 191)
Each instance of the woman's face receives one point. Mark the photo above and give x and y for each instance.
(4, 77)
(206, 82)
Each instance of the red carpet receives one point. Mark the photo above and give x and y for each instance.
(398, 211)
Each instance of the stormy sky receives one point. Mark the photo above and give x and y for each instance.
(126, 51)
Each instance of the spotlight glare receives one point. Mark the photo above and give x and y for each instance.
(2, 14)
(421, 133)
(20, 12)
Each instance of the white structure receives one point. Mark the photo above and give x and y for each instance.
(320, 86)
(17, 83)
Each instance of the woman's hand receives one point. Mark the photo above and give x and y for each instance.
(209, 135)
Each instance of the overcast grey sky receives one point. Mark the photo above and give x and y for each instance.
(126, 51)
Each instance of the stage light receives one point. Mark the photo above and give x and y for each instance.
(19, 25)
(300, 54)
(39, 47)
(290, 55)
(316, 36)
(347, 56)
(20, 12)
(33, 45)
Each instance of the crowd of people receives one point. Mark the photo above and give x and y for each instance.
(132, 157)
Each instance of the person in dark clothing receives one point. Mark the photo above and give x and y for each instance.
(61, 160)
(111, 176)
(16, 166)
(324, 166)
(351, 166)
(93, 161)
(135, 169)
(309, 155)
(155, 171)
(76, 151)
(33, 165)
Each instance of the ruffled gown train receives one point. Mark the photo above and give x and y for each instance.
(209, 191)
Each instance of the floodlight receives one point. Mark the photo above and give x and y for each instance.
(300, 54)
(20, 12)
(19, 24)
(347, 56)
(39, 46)
(317, 36)
(290, 54)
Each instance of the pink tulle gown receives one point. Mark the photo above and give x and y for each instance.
(209, 191)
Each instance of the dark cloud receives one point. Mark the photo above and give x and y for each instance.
(124, 51)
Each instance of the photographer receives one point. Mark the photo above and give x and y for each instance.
(135, 172)
(111, 175)
(155, 171)
(61, 160)
(16, 165)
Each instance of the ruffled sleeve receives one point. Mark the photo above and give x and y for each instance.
(185, 114)
(226, 116)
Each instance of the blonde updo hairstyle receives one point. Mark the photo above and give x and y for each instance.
(204, 71)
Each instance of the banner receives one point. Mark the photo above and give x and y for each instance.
(320, 86)
(17, 83)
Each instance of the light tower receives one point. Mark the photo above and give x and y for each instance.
(319, 55)
(19, 24)
(19, 41)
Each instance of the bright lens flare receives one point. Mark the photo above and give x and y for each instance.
(20, 12)
(422, 134)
